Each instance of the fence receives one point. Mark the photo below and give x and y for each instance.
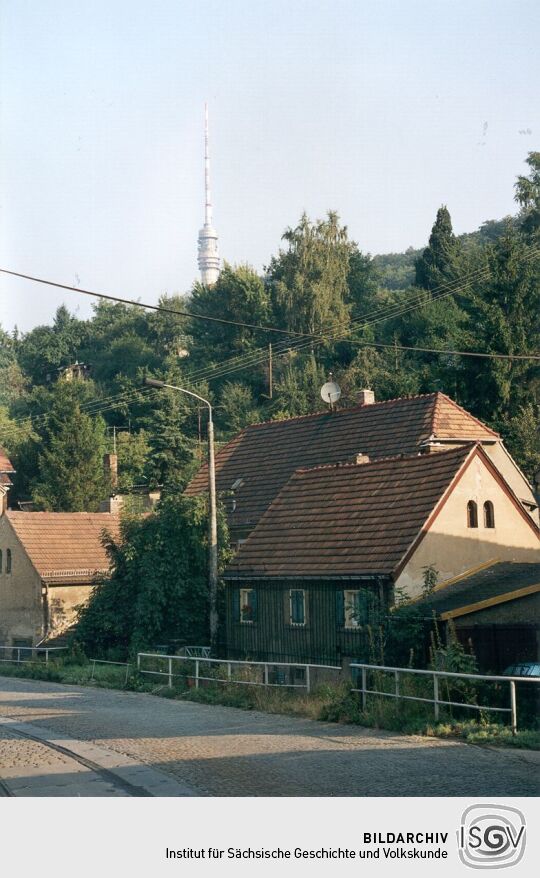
(437, 701)
(270, 673)
(95, 662)
(25, 649)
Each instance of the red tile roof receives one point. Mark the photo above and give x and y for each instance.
(265, 455)
(5, 464)
(65, 545)
(348, 520)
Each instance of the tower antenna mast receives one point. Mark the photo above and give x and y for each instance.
(208, 240)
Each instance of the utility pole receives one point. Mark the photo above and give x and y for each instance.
(212, 517)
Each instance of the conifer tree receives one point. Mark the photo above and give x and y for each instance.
(70, 466)
(437, 262)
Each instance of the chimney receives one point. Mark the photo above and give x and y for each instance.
(110, 469)
(366, 397)
(361, 458)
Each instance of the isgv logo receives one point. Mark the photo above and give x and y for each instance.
(491, 836)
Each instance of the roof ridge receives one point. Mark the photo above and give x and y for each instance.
(27, 515)
(468, 446)
(350, 408)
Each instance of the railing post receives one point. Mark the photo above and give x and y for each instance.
(93, 669)
(196, 673)
(436, 696)
(138, 661)
(396, 681)
(46, 656)
(229, 671)
(127, 674)
(364, 688)
(266, 675)
(18, 656)
(513, 707)
(170, 673)
(308, 679)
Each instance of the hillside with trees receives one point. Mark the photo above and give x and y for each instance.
(396, 323)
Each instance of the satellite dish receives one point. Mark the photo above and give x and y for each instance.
(331, 392)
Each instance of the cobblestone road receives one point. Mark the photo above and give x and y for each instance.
(221, 751)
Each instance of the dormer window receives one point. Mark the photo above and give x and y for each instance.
(472, 514)
(489, 514)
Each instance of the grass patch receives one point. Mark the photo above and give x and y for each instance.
(329, 703)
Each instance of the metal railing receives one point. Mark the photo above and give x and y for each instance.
(95, 662)
(31, 649)
(196, 651)
(229, 664)
(437, 701)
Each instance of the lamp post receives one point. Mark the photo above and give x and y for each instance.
(212, 519)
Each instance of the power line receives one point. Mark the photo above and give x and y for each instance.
(177, 311)
(260, 355)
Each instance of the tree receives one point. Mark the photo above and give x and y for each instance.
(437, 263)
(309, 280)
(133, 450)
(70, 464)
(239, 295)
(504, 313)
(158, 588)
(528, 195)
(171, 449)
(47, 348)
(237, 407)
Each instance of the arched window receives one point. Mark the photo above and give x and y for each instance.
(472, 514)
(489, 514)
(8, 560)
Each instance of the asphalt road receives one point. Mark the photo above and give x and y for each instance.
(58, 740)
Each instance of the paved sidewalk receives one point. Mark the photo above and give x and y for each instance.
(221, 751)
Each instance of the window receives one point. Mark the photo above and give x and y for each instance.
(8, 560)
(472, 514)
(489, 514)
(297, 600)
(248, 605)
(351, 609)
(244, 605)
(357, 607)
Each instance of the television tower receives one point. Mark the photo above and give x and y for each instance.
(208, 240)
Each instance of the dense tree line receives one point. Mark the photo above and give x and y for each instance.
(343, 312)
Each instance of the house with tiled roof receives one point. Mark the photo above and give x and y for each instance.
(49, 562)
(256, 464)
(6, 472)
(330, 550)
(495, 609)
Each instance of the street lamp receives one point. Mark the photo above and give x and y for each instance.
(212, 521)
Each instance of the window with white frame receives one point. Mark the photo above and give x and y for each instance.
(352, 611)
(297, 606)
(248, 606)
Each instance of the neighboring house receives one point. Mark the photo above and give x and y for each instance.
(329, 552)
(48, 565)
(253, 467)
(495, 609)
(6, 471)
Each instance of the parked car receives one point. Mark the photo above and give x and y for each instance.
(523, 669)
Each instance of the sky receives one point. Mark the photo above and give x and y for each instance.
(381, 111)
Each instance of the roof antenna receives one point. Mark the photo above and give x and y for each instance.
(331, 392)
